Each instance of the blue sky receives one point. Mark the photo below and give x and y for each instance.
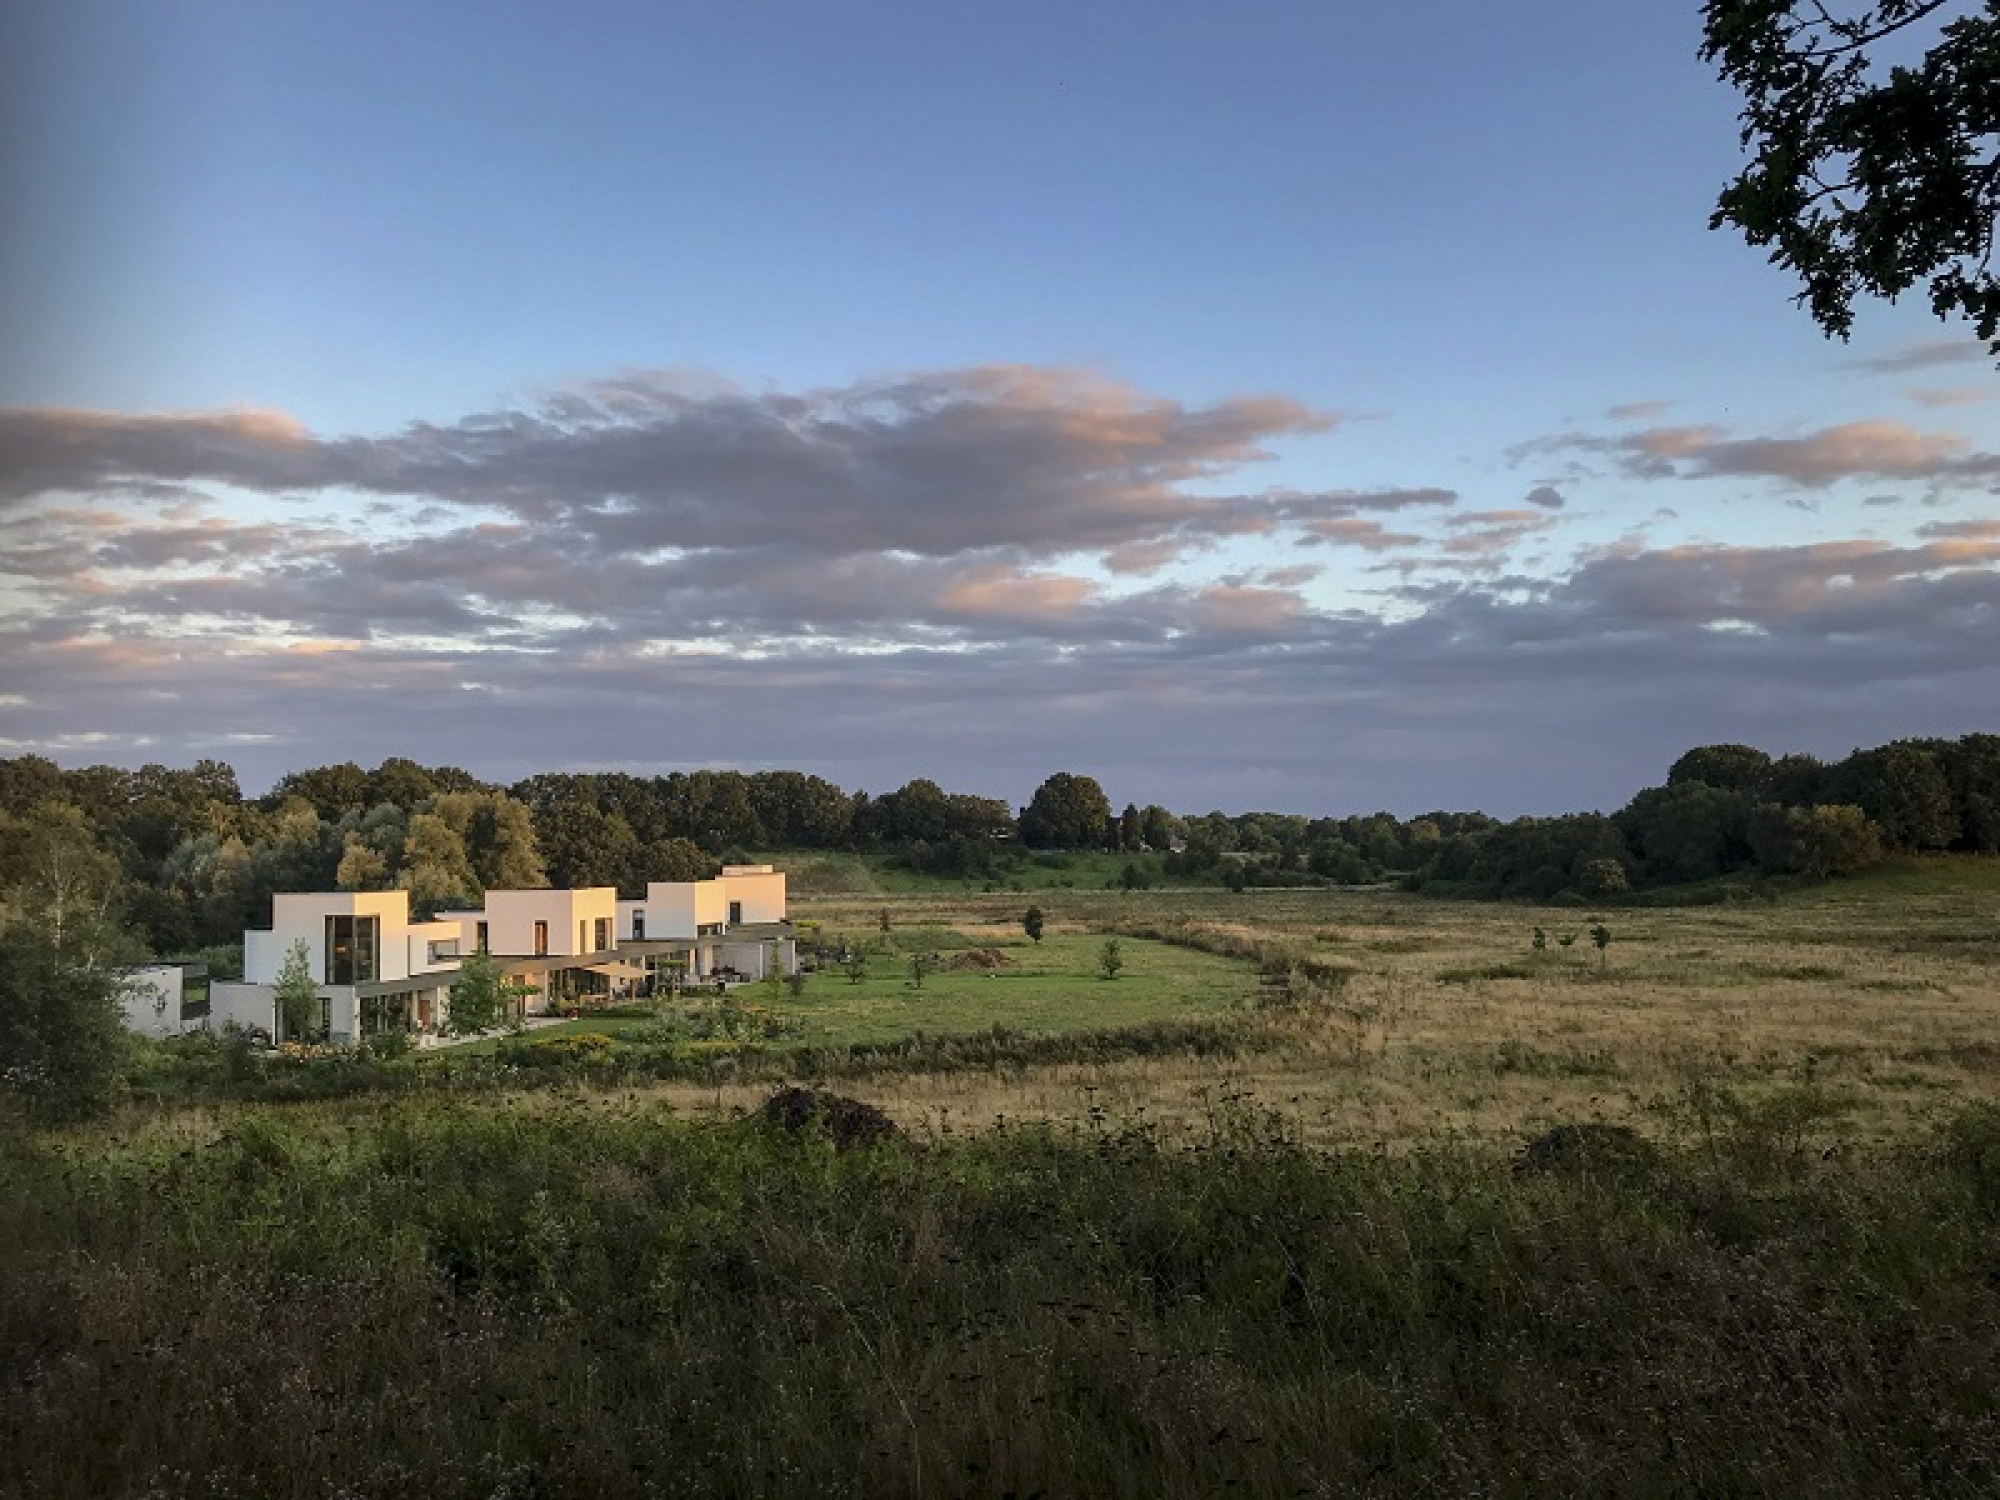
(1313, 408)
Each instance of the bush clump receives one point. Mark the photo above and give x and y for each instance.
(847, 1122)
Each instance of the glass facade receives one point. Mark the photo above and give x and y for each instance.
(353, 949)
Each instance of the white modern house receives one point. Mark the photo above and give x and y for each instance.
(732, 927)
(376, 969)
(564, 943)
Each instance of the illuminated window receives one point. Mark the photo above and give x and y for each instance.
(541, 939)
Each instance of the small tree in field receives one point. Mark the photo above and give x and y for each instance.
(856, 966)
(1031, 923)
(481, 997)
(296, 994)
(920, 967)
(1601, 936)
(1110, 959)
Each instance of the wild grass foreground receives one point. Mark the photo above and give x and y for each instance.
(456, 1298)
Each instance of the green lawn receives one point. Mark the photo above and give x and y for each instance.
(1042, 989)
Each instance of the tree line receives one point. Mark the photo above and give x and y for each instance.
(187, 861)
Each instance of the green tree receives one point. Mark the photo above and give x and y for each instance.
(499, 838)
(61, 1035)
(1602, 877)
(1031, 923)
(482, 997)
(297, 995)
(1817, 842)
(1872, 129)
(333, 790)
(1068, 812)
(362, 866)
(436, 869)
(583, 845)
(1904, 792)
(1734, 768)
(680, 859)
(1110, 958)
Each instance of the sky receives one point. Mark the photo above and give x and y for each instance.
(1259, 407)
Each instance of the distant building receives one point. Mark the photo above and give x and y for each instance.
(378, 971)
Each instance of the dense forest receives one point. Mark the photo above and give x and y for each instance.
(185, 862)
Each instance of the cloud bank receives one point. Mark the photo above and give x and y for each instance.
(980, 575)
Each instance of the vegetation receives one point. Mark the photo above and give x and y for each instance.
(1356, 1191)
(482, 997)
(1873, 131)
(616, 1302)
(296, 996)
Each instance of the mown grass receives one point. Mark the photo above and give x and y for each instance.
(461, 1299)
(1036, 989)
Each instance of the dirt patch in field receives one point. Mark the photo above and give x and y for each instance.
(977, 958)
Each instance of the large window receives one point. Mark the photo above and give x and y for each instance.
(353, 949)
(639, 924)
(479, 936)
(735, 913)
(603, 943)
(541, 940)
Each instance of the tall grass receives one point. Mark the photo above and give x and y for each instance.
(453, 1299)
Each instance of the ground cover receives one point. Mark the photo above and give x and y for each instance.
(1881, 994)
(1030, 989)
(463, 1298)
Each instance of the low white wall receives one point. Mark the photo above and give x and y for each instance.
(151, 1001)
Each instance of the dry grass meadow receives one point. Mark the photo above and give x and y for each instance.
(1444, 1023)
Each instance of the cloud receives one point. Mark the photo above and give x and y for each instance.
(1964, 396)
(1875, 449)
(975, 575)
(938, 463)
(1636, 411)
(1925, 355)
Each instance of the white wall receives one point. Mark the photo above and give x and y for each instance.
(301, 916)
(510, 918)
(245, 1005)
(677, 908)
(151, 1000)
(422, 935)
(759, 888)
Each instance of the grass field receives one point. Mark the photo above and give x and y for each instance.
(1880, 995)
(1325, 1266)
(1036, 989)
